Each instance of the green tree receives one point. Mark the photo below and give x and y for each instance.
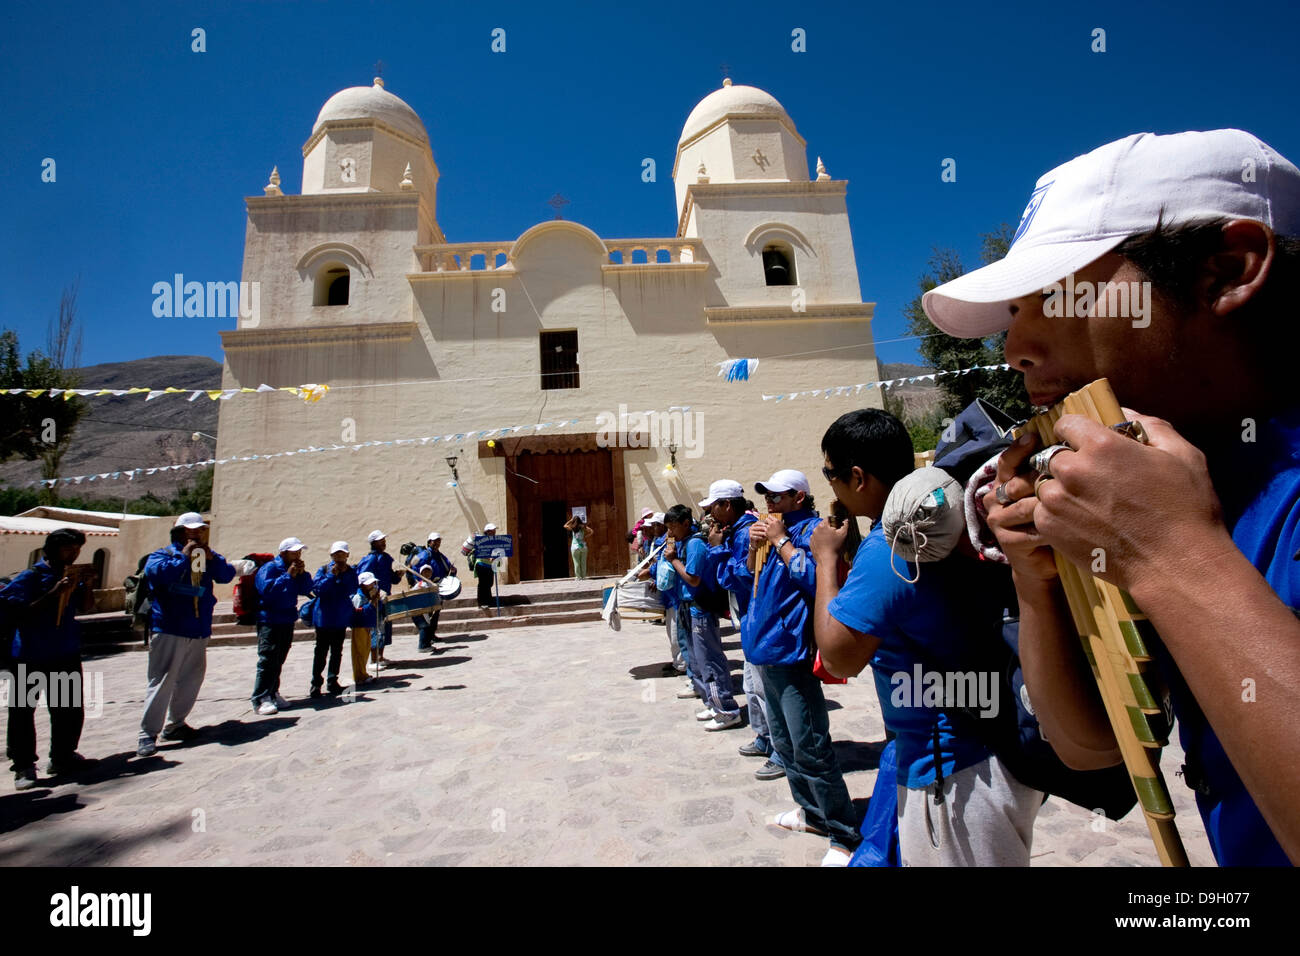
(41, 427)
(941, 351)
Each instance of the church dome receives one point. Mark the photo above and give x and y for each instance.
(731, 100)
(372, 103)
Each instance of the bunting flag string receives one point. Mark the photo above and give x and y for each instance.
(313, 393)
(882, 384)
(310, 392)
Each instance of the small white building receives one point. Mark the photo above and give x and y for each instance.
(559, 327)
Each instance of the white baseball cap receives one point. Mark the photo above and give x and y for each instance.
(376, 536)
(647, 512)
(191, 520)
(433, 536)
(787, 479)
(292, 544)
(339, 546)
(656, 518)
(721, 489)
(489, 527)
(365, 577)
(1083, 209)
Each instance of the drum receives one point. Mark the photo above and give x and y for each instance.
(449, 587)
(406, 604)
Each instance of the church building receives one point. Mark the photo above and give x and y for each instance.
(510, 378)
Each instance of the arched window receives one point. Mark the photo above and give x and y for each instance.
(332, 285)
(778, 264)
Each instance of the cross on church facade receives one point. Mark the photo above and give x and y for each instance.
(760, 159)
(557, 202)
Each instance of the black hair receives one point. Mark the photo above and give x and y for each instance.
(59, 538)
(739, 505)
(1172, 257)
(676, 514)
(872, 440)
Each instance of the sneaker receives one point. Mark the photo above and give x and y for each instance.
(687, 692)
(25, 779)
(314, 692)
(725, 722)
(182, 732)
(770, 771)
(335, 687)
(147, 748)
(267, 708)
(793, 820)
(708, 713)
(67, 764)
(280, 702)
(837, 856)
(752, 749)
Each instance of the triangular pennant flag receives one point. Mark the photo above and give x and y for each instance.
(136, 391)
(216, 393)
(264, 388)
(55, 392)
(195, 394)
(153, 394)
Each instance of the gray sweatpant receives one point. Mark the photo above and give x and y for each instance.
(176, 668)
(754, 693)
(986, 819)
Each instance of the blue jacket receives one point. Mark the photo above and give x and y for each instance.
(279, 592)
(168, 572)
(440, 563)
(38, 638)
(777, 629)
(730, 557)
(366, 613)
(380, 564)
(333, 597)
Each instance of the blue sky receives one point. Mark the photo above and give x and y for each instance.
(156, 146)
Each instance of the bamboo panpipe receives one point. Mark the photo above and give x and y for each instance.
(760, 557)
(1115, 635)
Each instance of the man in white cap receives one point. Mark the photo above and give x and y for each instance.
(1200, 525)
(182, 579)
(732, 515)
(334, 584)
(380, 563)
(482, 568)
(776, 635)
(280, 583)
(430, 563)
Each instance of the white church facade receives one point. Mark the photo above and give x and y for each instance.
(420, 336)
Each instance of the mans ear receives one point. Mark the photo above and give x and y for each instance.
(858, 479)
(1235, 274)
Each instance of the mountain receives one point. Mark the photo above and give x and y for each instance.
(128, 432)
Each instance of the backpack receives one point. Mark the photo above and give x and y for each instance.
(978, 433)
(139, 595)
(307, 610)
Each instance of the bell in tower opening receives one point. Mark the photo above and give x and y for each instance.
(776, 267)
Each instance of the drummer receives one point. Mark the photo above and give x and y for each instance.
(429, 563)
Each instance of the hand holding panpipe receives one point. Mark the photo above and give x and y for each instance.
(1115, 634)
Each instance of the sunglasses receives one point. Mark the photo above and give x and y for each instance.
(775, 497)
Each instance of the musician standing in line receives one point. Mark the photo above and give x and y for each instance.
(732, 515)
(280, 583)
(776, 637)
(429, 562)
(380, 563)
(689, 557)
(334, 584)
(47, 646)
(1202, 524)
(180, 626)
(364, 638)
(957, 804)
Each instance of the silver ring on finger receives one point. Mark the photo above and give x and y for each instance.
(1000, 492)
(1041, 461)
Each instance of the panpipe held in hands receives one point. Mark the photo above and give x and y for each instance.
(760, 557)
(1115, 636)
